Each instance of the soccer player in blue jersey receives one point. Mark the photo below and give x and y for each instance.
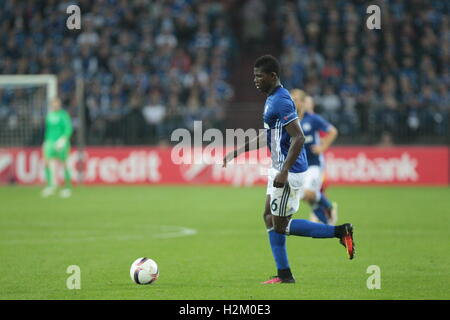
(312, 124)
(285, 140)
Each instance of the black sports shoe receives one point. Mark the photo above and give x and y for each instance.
(347, 240)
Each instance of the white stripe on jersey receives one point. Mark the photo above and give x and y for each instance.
(275, 152)
(280, 154)
(278, 125)
(277, 156)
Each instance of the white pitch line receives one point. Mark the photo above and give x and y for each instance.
(164, 232)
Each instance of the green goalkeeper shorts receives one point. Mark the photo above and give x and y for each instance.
(51, 152)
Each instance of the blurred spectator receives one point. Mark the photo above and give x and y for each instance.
(365, 81)
(154, 114)
(386, 140)
(371, 82)
(126, 50)
(253, 19)
(331, 103)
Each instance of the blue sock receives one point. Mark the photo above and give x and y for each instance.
(305, 228)
(278, 245)
(320, 214)
(324, 202)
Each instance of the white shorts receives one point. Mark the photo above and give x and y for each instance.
(313, 179)
(285, 201)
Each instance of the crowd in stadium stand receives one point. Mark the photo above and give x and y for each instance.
(394, 81)
(148, 66)
(152, 66)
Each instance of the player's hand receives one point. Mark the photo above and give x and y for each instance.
(60, 143)
(230, 156)
(317, 149)
(280, 179)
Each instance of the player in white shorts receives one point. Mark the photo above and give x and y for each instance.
(312, 124)
(285, 201)
(285, 140)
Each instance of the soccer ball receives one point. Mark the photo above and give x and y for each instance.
(144, 271)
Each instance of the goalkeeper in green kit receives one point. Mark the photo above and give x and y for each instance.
(56, 148)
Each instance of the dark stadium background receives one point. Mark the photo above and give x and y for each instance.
(152, 66)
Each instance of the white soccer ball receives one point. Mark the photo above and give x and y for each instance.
(144, 271)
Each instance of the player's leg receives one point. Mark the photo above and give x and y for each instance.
(318, 212)
(49, 169)
(334, 207)
(305, 228)
(66, 192)
(267, 215)
(287, 201)
(329, 208)
(277, 242)
(67, 176)
(319, 203)
(49, 177)
(310, 191)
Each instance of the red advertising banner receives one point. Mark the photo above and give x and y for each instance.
(142, 165)
(394, 165)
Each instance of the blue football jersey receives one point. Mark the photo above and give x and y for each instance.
(312, 124)
(278, 112)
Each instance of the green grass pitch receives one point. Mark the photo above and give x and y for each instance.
(210, 243)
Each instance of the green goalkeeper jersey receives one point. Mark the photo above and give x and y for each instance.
(57, 124)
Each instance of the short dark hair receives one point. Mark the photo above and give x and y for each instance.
(268, 64)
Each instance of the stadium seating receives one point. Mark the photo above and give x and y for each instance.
(150, 67)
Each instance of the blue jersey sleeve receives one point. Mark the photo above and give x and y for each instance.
(322, 124)
(286, 111)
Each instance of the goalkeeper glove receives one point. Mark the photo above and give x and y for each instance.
(60, 143)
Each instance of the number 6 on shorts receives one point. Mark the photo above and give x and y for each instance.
(285, 201)
(274, 205)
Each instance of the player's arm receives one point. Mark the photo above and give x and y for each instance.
(253, 144)
(297, 140)
(67, 133)
(67, 125)
(326, 141)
